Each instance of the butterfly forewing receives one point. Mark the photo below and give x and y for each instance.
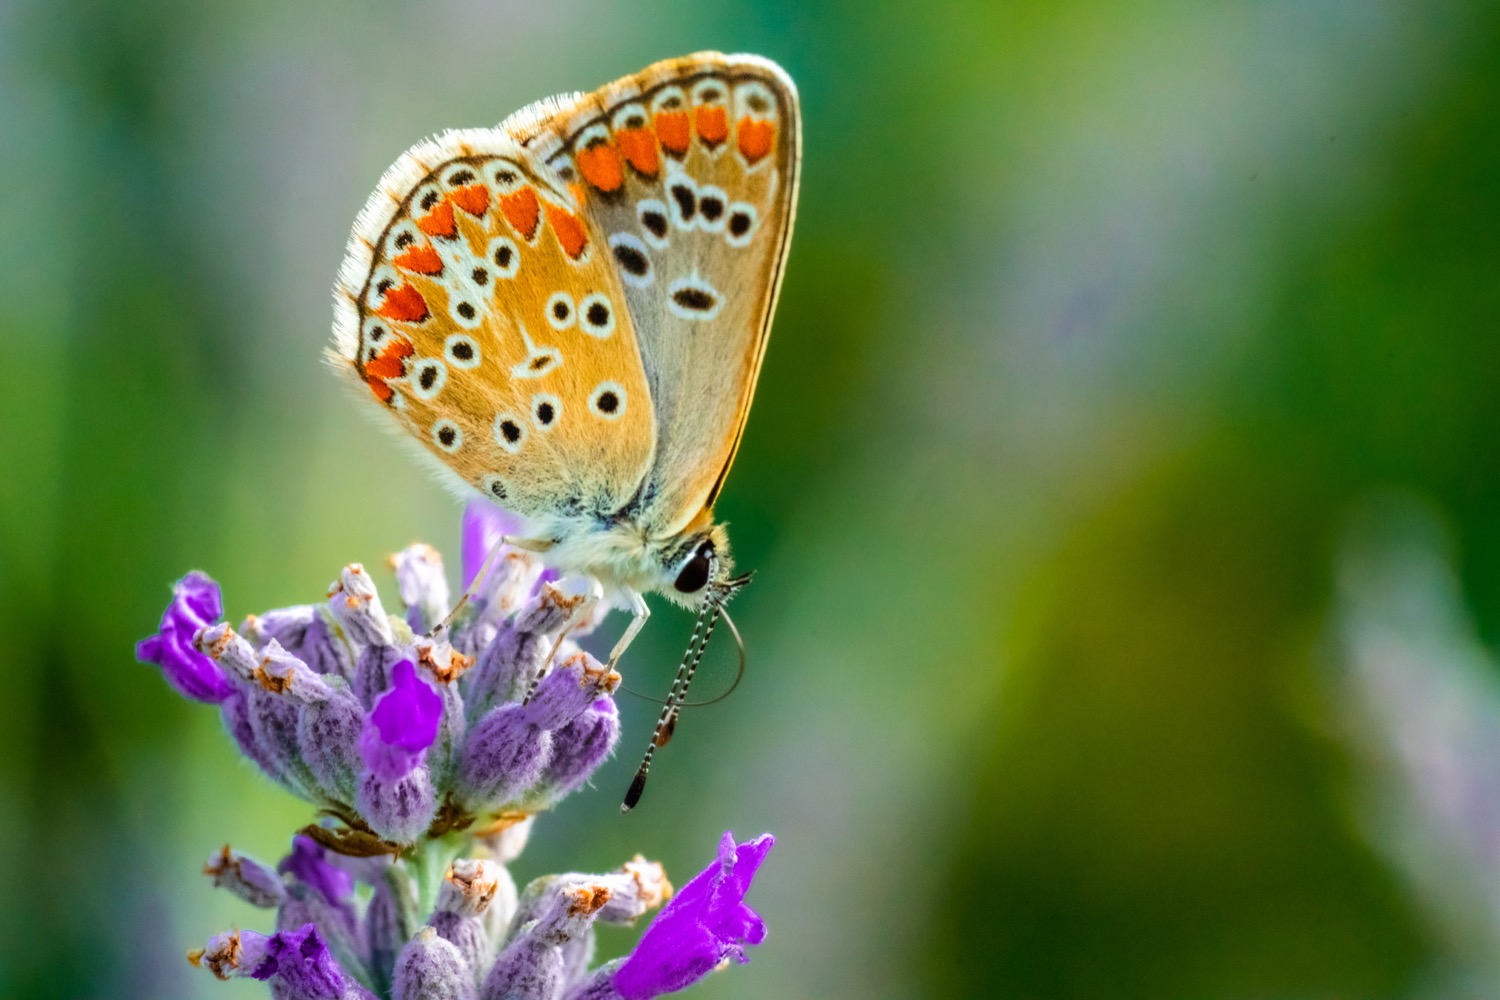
(482, 308)
(688, 171)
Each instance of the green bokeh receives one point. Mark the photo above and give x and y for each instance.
(1099, 321)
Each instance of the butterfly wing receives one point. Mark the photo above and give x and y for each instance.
(482, 309)
(689, 172)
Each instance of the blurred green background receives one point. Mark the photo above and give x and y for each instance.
(1099, 320)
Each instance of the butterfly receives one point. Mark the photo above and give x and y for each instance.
(569, 313)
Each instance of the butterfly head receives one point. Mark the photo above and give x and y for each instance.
(700, 569)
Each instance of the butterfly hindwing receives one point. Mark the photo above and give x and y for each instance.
(688, 171)
(483, 310)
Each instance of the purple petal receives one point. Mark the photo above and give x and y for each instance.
(308, 864)
(299, 961)
(195, 605)
(402, 725)
(484, 525)
(704, 924)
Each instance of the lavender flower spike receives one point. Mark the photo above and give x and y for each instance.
(195, 605)
(420, 752)
(704, 924)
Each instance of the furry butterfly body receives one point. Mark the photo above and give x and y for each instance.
(569, 311)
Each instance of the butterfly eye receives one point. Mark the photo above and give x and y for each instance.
(560, 311)
(694, 574)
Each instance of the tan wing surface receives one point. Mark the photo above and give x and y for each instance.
(689, 172)
(482, 308)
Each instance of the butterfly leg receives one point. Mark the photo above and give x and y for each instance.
(526, 544)
(641, 610)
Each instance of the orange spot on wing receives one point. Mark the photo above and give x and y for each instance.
(712, 124)
(570, 232)
(422, 260)
(755, 138)
(388, 364)
(639, 147)
(673, 130)
(439, 222)
(474, 199)
(601, 167)
(522, 211)
(382, 391)
(405, 304)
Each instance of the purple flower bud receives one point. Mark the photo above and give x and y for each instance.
(431, 968)
(402, 725)
(468, 890)
(282, 673)
(235, 712)
(308, 864)
(329, 733)
(372, 671)
(423, 587)
(399, 811)
(579, 748)
(508, 751)
(638, 887)
(299, 966)
(287, 626)
(572, 688)
(534, 965)
(195, 605)
(396, 796)
(706, 923)
(386, 930)
(247, 878)
(356, 604)
(513, 657)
